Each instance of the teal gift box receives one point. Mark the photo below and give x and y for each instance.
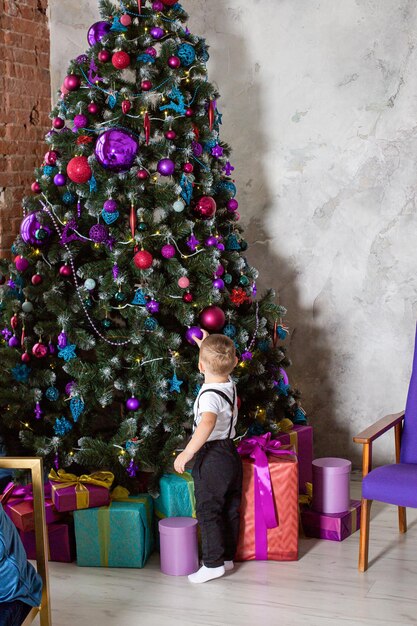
(118, 535)
(176, 496)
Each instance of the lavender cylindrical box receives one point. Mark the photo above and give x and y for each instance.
(331, 485)
(178, 545)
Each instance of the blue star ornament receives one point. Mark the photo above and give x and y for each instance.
(68, 352)
(175, 383)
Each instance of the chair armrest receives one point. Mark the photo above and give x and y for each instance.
(379, 428)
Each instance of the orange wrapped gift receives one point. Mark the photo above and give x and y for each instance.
(269, 510)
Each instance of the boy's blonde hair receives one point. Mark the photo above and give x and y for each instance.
(219, 354)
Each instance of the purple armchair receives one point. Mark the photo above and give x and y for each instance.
(397, 483)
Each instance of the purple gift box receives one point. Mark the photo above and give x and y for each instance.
(67, 498)
(332, 526)
(301, 437)
(61, 542)
(18, 504)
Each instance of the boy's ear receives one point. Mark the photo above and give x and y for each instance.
(236, 361)
(201, 367)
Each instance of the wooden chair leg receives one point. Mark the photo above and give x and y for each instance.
(364, 535)
(402, 519)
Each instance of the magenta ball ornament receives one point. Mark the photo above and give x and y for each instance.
(205, 207)
(39, 350)
(232, 205)
(58, 122)
(13, 342)
(211, 241)
(51, 157)
(116, 149)
(97, 31)
(189, 112)
(220, 246)
(142, 174)
(132, 404)
(65, 270)
(72, 82)
(93, 108)
(166, 167)
(158, 5)
(98, 233)
(146, 85)
(219, 270)
(174, 62)
(35, 186)
(218, 283)
(151, 51)
(60, 180)
(193, 330)
(212, 318)
(36, 279)
(80, 121)
(25, 358)
(170, 134)
(21, 263)
(168, 251)
(183, 282)
(104, 56)
(188, 168)
(110, 206)
(157, 32)
(126, 20)
(188, 297)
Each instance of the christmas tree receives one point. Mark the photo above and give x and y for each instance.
(129, 244)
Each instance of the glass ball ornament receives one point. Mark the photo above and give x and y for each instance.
(183, 282)
(244, 281)
(120, 60)
(142, 174)
(110, 206)
(27, 307)
(170, 134)
(132, 404)
(35, 187)
(219, 270)
(58, 123)
(65, 270)
(218, 283)
(30, 229)
(220, 246)
(40, 350)
(72, 82)
(106, 323)
(232, 205)
(174, 62)
(191, 332)
(97, 31)
(168, 251)
(104, 56)
(41, 234)
(178, 206)
(125, 19)
(93, 108)
(205, 207)
(116, 149)
(166, 167)
(212, 318)
(188, 168)
(21, 263)
(50, 157)
(36, 279)
(188, 297)
(227, 279)
(90, 284)
(142, 226)
(13, 342)
(211, 241)
(189, 112)
(157, 33)
(120, 296)
(60, 179)
(25, 358)
(146, 85)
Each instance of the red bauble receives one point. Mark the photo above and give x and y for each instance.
(72, 82)
(120, 60)
(142, 174)
(78, 169)
(25, 357)
(143, 260)
(126, 106)
(35, 186)
(39, 350)
(238, 402)
(36, 279)
(103, 56)
(205, 207)
(212, 318)
(146, 85)
(188, 297)
(65, 270)
(93, 108)
(188, 168)
(126, 20)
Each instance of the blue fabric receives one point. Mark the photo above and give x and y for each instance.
(394, 484)
(409, 436)
(19, 580)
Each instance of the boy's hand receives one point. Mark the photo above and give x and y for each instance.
(182, 460)
(200, 341)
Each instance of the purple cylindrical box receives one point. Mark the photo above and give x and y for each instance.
(331, 485)
(178, 546)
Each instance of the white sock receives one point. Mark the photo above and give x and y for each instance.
(228, 565)
(206, 573)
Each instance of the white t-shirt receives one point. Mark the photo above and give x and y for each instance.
(214, 403)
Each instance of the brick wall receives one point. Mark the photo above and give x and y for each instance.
(25, 102)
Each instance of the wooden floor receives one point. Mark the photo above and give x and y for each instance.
(322, 588)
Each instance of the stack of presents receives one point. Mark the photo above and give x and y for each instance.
(98, 526)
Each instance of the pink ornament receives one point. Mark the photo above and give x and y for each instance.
(188, 168)
(189, 112)
(151, 51)
(25, 358)
(212, 318)
(237, 216)
(64, 91)
(232, 205)
(21, 263)
(170, 134)
(72, 82)
(174, 62)
(168, 251)
(51, 157)
(104, 56)
(65, 270)
(146, 85)
(183, 282)
(158, 5)
(126, 106)
(126, 20)
(142, 174)
(220, 270)
(36, 279)
(93, 108)
(205, 207)
(188, 297)
(58, 122)
(35, 186)
(39, 350)
(79, 170)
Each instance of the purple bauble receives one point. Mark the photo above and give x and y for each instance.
(211, 241)
(218, 283)
(151, 51)
(152, 306)
(220, 246)
(62, 339)
(212, 318)
(51, 348)
(157, 32)
(69, 387)
(220, 270)
(197, 148)
(98, 233)
(110, 206)
(158, 5)
(174, 62)
(72, 82)
(21, 263)
(193, 330)
(168, 251)
(132, 404)
(116, 150)
(60, 180)
(28, 228)
(14, 342)
(58, 122)
(166, 167)
(232, 205)
(80, 121)
(97, 31)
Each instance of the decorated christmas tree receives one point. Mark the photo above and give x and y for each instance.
(129, 244)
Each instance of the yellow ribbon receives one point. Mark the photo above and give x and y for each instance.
(285, 427)
(65, 479)
(306, 498)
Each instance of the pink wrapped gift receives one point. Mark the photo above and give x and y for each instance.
(18, 504)
(61, 542)
(301, 437)
(332, 526)
(71, 492)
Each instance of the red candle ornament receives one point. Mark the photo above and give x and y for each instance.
(132, 220)
(211, 114)
(147, 127)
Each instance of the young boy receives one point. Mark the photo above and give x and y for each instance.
(217, 470)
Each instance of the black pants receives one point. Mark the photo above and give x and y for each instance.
(217, 475)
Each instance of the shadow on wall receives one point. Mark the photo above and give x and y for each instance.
(309, 345)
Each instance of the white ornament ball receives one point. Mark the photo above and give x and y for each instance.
(90, 284)
(27, 307)
(178, 206)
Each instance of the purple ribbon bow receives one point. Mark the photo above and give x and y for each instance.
(257, 448)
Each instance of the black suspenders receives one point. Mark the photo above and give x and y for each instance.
(230, 402)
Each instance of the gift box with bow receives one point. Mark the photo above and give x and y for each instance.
(301, 438)
(118, 535)
(17, 502)
(71, 492)
(269, 510)
(176, 496)
(332, 526)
